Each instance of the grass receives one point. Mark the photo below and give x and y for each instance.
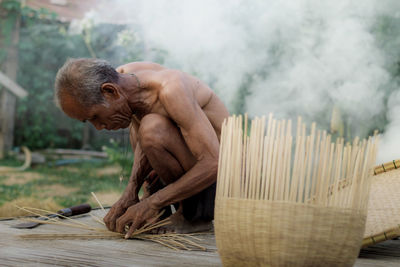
(65, 185)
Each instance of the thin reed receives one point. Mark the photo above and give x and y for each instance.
(174, 241)
(290, 199)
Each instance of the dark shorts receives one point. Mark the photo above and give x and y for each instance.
(199, 207)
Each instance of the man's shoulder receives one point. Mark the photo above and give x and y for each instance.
(173, 82)
(139, 66)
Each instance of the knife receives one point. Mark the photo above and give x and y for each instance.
(67, 212)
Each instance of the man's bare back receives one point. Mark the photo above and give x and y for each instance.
(177, 124)
(150, 73)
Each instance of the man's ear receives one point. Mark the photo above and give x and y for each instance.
(109, 91)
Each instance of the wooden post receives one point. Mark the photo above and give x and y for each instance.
(8, 100)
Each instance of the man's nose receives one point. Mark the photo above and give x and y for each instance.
(98, 126)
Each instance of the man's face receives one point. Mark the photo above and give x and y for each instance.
(110, 115)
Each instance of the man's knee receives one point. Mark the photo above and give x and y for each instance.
(152, 130)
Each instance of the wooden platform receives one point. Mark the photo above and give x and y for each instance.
(15, 251)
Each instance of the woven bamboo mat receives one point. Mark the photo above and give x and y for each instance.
(383, 220)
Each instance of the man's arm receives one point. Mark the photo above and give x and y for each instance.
(141, 166)
(200, 137)
(140, 169)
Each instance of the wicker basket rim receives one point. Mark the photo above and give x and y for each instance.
(386, 167)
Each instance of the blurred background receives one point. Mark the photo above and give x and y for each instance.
(333, 62)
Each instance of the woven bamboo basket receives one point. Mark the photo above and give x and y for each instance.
(286, 234)
(284, 202)
(383, 220)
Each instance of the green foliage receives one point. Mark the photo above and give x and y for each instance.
(39, 122)
(7, 26)
(11, 161)
(121, 155)
(44, 45)
(11, 11)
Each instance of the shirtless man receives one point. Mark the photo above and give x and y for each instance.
(176, 124)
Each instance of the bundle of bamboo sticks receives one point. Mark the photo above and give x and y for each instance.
(269, 164)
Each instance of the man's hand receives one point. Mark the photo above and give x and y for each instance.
(117, 210)
(140, 170)
(136, 216)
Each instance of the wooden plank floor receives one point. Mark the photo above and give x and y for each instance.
(15, 251)
(385, 254)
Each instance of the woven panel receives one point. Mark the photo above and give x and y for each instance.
(266, 233)
(384, 203)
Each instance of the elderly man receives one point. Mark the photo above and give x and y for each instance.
(175, 127)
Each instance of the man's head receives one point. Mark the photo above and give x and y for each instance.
(88, 89)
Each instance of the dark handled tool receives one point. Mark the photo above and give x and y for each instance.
(67, 212)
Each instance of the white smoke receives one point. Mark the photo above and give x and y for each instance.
(297, 57)
(389, 148)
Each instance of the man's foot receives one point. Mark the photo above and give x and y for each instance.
(182, 226)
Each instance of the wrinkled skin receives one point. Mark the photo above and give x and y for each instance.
(140, 210)
(175, 126)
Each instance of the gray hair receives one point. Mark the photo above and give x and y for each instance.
(82, 78)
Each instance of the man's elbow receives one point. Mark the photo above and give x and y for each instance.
(212, 170)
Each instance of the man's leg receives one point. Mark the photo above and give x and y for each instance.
(170, 157)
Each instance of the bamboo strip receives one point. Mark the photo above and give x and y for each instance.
(97, 200)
